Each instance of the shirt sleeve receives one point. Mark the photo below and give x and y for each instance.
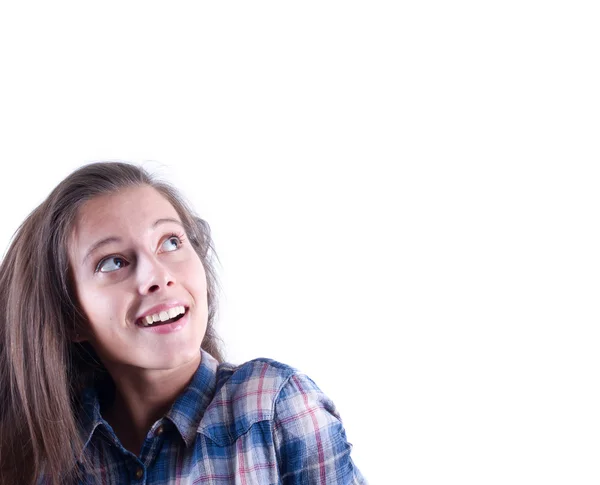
(309, 438)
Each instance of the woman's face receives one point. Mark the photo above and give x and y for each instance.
(131, 257)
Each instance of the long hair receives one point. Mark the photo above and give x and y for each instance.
(42, 372)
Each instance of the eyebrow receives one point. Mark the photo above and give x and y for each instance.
(112, 239)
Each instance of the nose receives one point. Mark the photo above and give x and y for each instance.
(153, 275)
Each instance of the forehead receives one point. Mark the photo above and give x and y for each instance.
(129, 210)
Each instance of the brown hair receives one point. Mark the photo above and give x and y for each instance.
(42, 372)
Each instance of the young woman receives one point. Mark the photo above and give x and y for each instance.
(110, 369)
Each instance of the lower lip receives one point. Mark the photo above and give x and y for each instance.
(169, 327)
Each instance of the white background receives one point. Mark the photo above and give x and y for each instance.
(404, 197)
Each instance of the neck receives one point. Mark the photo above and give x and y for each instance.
(142, 397)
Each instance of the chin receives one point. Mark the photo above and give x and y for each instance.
(172, 360)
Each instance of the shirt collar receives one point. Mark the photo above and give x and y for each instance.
(89, 417)
(186, 412)
(188, 409)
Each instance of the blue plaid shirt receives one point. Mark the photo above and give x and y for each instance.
(262, 422)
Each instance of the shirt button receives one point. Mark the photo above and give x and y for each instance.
(160, 430)
(139, 473)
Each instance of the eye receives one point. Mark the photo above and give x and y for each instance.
(175, 241)
(110, 264)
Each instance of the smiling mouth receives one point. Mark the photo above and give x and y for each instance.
(159, 323)
(142, 323)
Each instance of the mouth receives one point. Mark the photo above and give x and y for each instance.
(144, 324)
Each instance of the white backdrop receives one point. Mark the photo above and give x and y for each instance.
(404, 199)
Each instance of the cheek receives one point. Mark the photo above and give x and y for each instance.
(100, 306)
(197, 278)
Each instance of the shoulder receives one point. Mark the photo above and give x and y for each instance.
(297, 421)
(261, 370)
(309, 437)
(245, 394)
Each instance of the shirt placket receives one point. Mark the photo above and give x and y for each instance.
(149, 453)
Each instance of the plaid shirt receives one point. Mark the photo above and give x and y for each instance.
(262, 422)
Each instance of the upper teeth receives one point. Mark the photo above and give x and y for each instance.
(164, 316)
